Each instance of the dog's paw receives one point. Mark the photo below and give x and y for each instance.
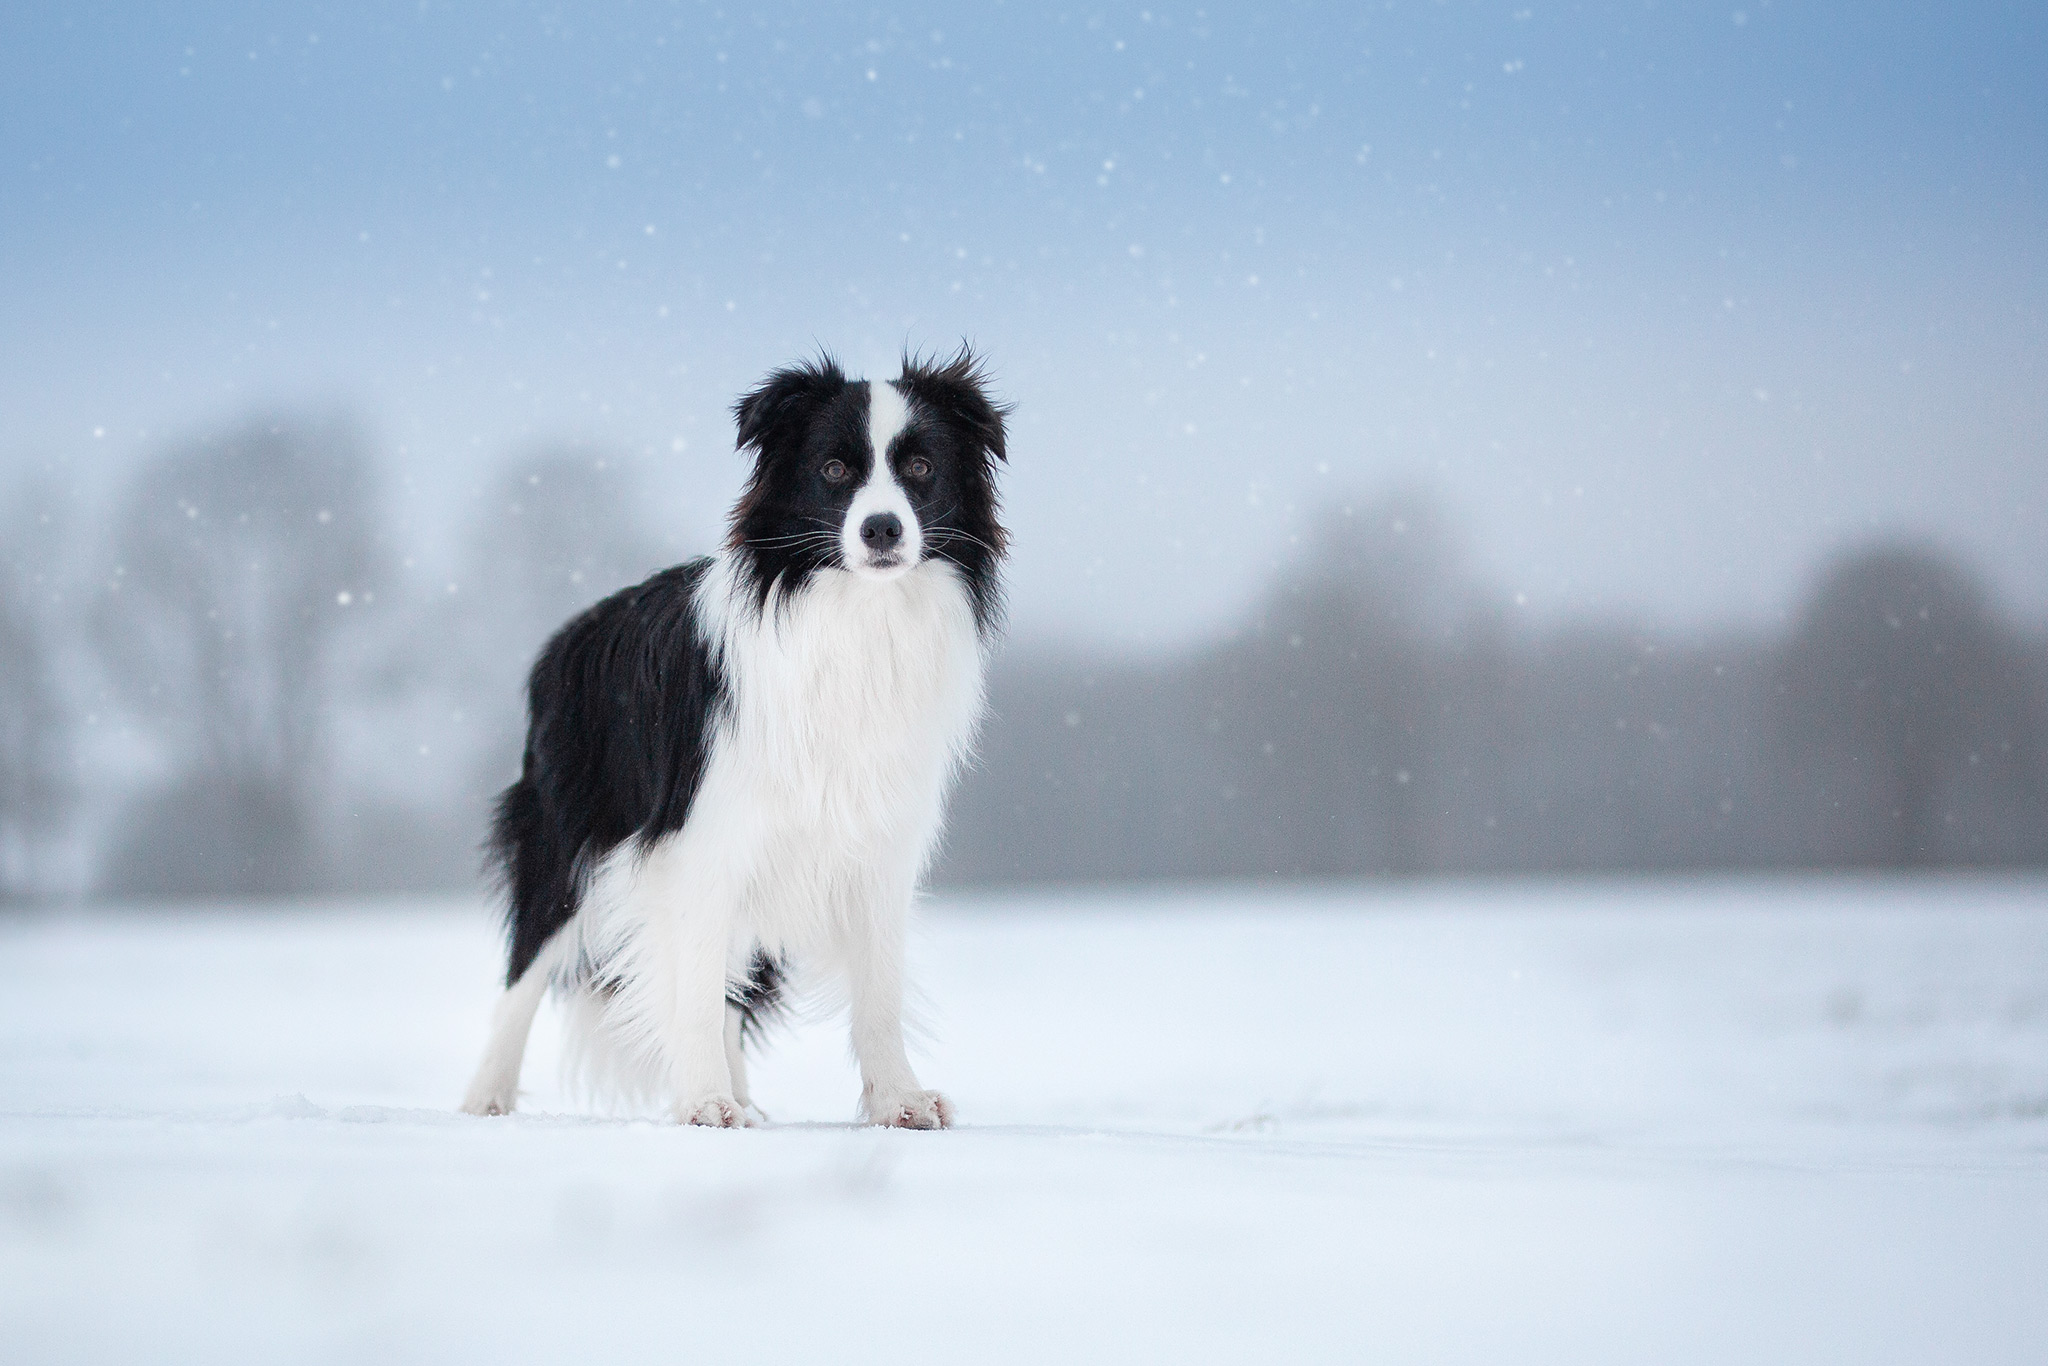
(714, 1112)
(489, 1103)
(911, 1110)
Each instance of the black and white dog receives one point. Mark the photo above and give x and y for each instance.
(744, 760)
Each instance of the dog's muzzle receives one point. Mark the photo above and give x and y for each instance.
(881, 536)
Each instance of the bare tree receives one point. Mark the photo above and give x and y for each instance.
(237, 561)
(1343, 691)
(1900, 679)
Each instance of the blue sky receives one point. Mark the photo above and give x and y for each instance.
(1662, 301)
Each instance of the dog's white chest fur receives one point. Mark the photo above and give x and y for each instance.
(850, 707)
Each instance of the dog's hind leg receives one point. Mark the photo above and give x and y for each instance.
(736, 1057)
(495, 1088)
(750, 1003)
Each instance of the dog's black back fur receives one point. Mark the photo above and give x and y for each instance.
(619, 703)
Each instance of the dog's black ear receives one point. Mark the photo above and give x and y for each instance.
(785, 402)
(957, 390)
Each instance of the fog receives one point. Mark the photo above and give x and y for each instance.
(1447, 439)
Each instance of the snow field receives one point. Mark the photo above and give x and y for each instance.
(1785, 1120)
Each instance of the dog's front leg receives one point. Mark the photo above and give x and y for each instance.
(889, 1090)
(701, 1077)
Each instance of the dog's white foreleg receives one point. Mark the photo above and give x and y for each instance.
(495, 1088)
(669, 928)
(873, 956)
(700, 1070)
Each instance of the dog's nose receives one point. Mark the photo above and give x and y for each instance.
(882, 531)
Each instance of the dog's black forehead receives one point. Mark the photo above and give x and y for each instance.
(840, 425)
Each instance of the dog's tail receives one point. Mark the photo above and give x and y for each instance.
(538, 875)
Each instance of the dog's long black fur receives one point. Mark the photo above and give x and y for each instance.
(619, 702)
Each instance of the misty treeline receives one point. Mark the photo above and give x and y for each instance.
(1381, 712)
(231, 678)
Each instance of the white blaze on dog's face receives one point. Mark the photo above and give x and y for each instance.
(881, 537)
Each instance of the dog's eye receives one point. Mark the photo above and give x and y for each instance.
(834, 471)
(920, 468)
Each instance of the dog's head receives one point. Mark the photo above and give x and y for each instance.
(872, 478)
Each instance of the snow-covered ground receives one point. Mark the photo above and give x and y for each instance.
(1723, 1122)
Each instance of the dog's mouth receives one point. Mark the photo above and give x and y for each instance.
(887, 563)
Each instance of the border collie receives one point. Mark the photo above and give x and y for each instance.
(742, 762)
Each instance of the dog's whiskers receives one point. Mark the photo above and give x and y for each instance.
(941, 535)
(797, 538)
